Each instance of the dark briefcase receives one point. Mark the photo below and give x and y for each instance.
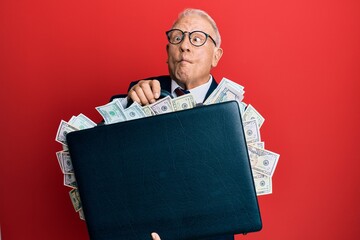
(184, 175)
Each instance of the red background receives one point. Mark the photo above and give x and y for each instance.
(299, 61)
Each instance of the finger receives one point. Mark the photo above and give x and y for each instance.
(146, 87)
(141, 95)
(156, 88)
(133, 95)
(155, 236)
(137, 93)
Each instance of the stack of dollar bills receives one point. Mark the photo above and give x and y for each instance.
(74, 124)
(263, 162)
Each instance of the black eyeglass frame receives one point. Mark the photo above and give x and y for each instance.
(183, 36)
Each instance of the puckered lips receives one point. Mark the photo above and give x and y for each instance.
(184, 60)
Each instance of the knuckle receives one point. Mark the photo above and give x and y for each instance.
(133, 94)
(144, 101)
(143, 83)
(132, 90)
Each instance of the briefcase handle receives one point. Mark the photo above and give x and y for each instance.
(165, 93)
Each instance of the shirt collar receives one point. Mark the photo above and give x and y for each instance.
(199, 92)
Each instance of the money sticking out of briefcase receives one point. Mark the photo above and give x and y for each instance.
(184, 175)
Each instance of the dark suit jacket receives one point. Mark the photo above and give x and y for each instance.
(165, 83)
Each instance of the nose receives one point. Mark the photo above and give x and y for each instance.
(185, 43)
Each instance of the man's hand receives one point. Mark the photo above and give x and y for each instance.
(155, 236)
(145, 91)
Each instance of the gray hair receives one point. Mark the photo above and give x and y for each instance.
(191, 11)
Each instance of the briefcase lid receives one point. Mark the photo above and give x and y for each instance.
(184, 175)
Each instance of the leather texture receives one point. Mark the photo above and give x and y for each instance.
(184, 175)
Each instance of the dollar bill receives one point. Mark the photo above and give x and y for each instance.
(65, 162)
(75, 199)
(148, 111)
(65, 147)
(183, 102)
(228, 82)
(260, 145)
(251, 130)
(226, 90)
(263, 161)
(58, 156)
(161, 106)
(134, 111)
(70, 180)
(227, 93)
(233, 84)
(72, 119)
(81, 214)
(251, 113)
(63, 129)
(112, 112)
(81, 122)
(122, 101)
(263, 184)
(242, 107)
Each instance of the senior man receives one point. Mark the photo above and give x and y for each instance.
(193, 50)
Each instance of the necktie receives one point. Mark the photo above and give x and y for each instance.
(179, 91)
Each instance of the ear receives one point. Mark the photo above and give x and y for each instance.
(217, 55)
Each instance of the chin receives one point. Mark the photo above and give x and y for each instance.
(183, 76)
(183, 79)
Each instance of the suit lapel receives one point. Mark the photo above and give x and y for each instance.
(211, 89)
(165, 82)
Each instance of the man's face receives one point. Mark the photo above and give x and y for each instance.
(189, 65)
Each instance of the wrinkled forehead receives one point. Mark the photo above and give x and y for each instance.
(194, 23)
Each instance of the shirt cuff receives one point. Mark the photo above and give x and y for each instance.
(123, 101)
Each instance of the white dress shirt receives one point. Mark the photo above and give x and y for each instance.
(199, 92)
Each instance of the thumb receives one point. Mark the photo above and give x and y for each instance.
(155, 236)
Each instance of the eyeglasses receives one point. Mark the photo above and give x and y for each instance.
(196, 38)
